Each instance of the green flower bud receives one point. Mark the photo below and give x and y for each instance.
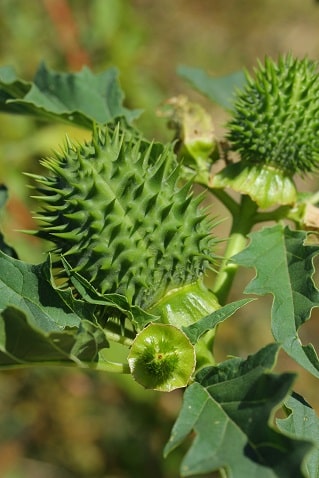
(162, 358)
(274, 127)
(118, 212)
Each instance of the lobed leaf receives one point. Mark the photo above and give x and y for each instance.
(229, 409)
(220, 90)
(81, 98)
(25, 287)
(303, 423)
(39, 323)
(284, 268)
(22, 343)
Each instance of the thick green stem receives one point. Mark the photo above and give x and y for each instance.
(226, 200)
(242, 224)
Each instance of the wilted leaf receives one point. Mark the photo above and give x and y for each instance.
(229, 411)
(284, 266)
(194, 132)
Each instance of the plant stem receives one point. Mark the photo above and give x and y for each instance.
(241, 226)
(276, 215)
(115, 337)
(104, 366)
(226, 200)
(113, 367)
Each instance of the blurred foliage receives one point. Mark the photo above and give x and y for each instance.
(72, 424)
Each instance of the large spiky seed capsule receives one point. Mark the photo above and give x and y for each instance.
(115, 208)
(275, 120)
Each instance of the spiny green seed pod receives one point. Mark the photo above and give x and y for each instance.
(115, 209)
(162, 358)
(274, 127)
(276, 117)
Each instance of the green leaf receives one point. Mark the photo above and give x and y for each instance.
(38, 323)
(3, 245)
(303, 423)
(22, 343)
(230, 411)
(284, 266)
(89, 340)
(25, 287)
(264, 359)
(220, 90)
(196, 330)
(3, 195)
(81, 98)
(80, 307)
(139, 317)
(11, 87)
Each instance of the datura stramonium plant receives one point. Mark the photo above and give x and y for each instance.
(275, 129)
(117, 210)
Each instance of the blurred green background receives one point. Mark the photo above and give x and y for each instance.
(74, 424)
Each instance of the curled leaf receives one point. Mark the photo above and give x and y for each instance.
(194, 132)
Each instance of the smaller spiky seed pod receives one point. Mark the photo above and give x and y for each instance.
(115, 209)
(275, 120)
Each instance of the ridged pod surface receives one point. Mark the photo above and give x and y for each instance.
(275, 120)
(116, 209)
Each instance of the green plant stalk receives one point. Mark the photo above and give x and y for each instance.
(242, 224)
(102, 366)
(113, 333)
(282, 212)
(226, 200)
